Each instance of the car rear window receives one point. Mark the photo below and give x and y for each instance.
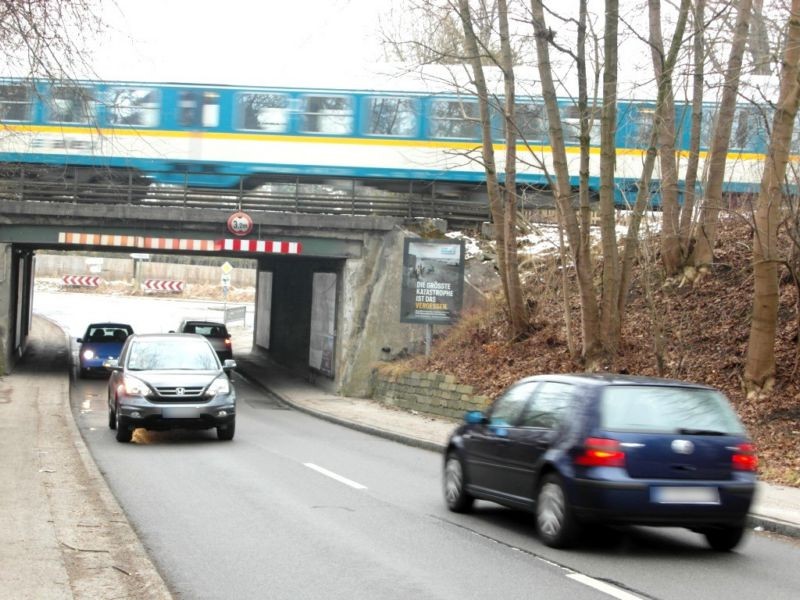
(180, 354)
(208, 330)
(663, 409)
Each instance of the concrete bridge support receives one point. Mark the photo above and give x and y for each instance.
(16, 299)
(295, 295)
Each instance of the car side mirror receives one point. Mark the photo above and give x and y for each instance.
(111, 364)
(79, 340)
(229, 365)
(476, 417)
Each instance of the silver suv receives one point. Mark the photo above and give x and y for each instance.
(170, 381)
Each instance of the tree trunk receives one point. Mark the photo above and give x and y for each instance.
(487, 148)
(665, 126)
(503, 197)
(590, 321)
(516, 304)
(690, 181)
(759, 371)
(608, 232)
(703, 254)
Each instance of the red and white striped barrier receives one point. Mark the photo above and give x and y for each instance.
(82, 280)
(162, 285)
(153, 243)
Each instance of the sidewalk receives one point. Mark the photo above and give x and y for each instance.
(776, 508)
(63, 535)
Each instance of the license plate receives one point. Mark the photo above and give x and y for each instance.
(684, 495)
(180, 412)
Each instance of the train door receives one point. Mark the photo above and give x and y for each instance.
(198, 112)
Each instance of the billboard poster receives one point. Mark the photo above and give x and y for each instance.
(433, 281)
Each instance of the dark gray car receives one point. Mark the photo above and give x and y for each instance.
(170, 381)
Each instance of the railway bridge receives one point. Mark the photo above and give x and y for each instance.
(326, 262)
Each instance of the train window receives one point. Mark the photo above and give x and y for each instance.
(188, 109)
(640, 131)
(571, 125)
(133, 106)
(326, 114)
(454, 119)
(15, 102)
(70, 105)
(530, 122)
(392, 116)
(745, 128)
(707, 122)
(262, 112)
(198, 109)
(795, 146)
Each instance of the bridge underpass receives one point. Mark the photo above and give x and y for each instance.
(327, 297)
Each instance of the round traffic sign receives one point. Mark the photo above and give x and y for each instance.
(240, 223)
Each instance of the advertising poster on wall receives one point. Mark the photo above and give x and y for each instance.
(433, 281)
(323, 323)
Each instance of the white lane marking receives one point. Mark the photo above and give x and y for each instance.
(606, 588)
(338, 478)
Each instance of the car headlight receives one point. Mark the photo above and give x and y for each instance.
(135, 387)
(219, 386)
(88, 354)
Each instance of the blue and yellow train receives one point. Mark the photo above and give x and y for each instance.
(221, 136)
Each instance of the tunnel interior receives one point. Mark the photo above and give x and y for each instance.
(296, 311)
(296, 301)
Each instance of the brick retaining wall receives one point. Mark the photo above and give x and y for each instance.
(431, 393)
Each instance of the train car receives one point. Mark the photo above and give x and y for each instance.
(222, 136)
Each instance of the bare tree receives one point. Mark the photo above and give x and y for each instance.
(665, 125)
(502, 197)
(663, 133)
(592, 350)
(48, 38)
(703, 254)
(695, 129)
(759, 371)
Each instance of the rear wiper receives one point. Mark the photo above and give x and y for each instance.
(687, 431)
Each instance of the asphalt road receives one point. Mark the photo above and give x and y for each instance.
(296, 507)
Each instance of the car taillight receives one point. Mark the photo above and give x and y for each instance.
(227, 341)
(601, 452)
(744, 458)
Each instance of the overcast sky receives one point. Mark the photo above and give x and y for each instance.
(237, 41)
(308, 43)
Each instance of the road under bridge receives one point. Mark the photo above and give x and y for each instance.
(328, 285)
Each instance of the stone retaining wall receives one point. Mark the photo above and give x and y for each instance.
(431, 393)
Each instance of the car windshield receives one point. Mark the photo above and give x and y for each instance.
(662, 409)
(178, 354)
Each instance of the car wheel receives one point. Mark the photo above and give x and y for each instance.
(455, 493)
(112, 418)
(124, 430)
(225, 432)
(724, 539)
(83, 373)
(554, 519)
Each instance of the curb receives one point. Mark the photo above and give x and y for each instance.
(773, 525)
(377, 431)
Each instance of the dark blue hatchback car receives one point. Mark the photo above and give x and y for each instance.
(607, 449)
